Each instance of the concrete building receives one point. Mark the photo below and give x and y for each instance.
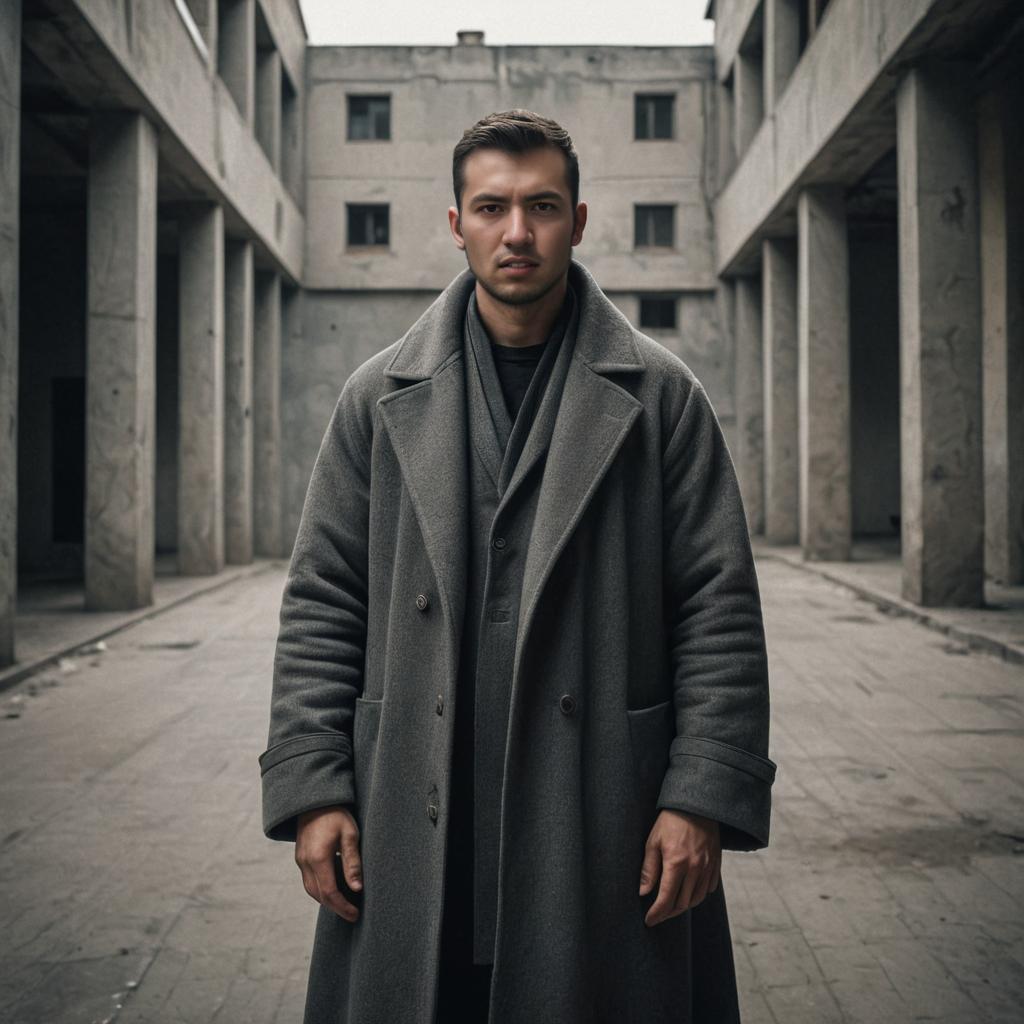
(206, 224)
(150, 183)
(868, 224)
(383, 121)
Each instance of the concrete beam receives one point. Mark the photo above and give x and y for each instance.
(238, 369)
(749, 399)
(823, 374)
(268, 463)
(10, 190)
(942, 489)
(781, 420)
(201, 391)
(120, 362)
(1001, 155)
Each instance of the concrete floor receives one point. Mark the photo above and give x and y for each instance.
(136, 885)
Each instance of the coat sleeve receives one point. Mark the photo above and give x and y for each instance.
(718, 760)
(320, 652)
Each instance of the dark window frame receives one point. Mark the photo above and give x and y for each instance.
(367, 98)
(646, 115)
(663, 302)
(647, 239)
(353, 210)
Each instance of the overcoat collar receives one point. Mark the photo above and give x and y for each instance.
(426, 424)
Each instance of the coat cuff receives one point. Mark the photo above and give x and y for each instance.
(719, 781)
(301, 774)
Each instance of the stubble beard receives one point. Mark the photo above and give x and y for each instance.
(513, 297)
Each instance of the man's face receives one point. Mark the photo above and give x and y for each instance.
(517, 225)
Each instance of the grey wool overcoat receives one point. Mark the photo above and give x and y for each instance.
(639, 602)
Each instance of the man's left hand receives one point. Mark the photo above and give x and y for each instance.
(685, 852)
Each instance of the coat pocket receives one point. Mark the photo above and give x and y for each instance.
(365, 728)
(651, 731)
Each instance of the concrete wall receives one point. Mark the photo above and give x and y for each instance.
(149, 60)
(438, 92)
(835, 117)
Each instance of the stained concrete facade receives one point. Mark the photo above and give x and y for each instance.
(359, 298)
(842, 275)
(144, 148)
(874, 206)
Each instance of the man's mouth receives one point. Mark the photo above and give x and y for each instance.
(517, 267)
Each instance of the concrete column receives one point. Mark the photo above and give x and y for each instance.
(236, 53)
(748, 100)
(725, 133)
(291, 140)
(749, 400)
(120, 425)
(10, 183)
(823, 374)
(295, 471)
(781, 421)
(781, 47)
(238, 361)
(1001, 154)
(268, 526)
(942, 498)
(268, 105)
(201, 391)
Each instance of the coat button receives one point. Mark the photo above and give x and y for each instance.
(567, 703)
(440, 703)
(422, 602)
(498, 542)
(432, 811)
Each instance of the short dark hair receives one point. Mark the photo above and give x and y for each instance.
(515, 131)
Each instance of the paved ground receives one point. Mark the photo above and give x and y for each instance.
(135, 884)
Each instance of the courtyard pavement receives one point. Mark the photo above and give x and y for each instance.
(136, 884)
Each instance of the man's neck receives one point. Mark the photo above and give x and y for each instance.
(518, 326)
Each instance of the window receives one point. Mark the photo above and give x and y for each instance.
(653, 116)
(369, 117)
(368, 224)
(657, 311)
(654, 225)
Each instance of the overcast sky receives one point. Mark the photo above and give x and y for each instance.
(435, 22)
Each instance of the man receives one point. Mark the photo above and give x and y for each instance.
(520, 692)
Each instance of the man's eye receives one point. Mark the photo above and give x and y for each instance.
(544, 207)
(489, 208)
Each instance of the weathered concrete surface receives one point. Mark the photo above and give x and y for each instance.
(781, 410)
(834, 119)
(268, 514)
(781, 47)
(134, 871)
(438, 92)
(750, 399)
(823, 374)
(120, 376)
(942, 503)
(201, 391)
(268, 105)
(236, 45)
(1001, 155)
(10, 191)
(238, 369)
(149, 61)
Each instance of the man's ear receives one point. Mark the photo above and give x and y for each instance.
(579, 223)
(455, 226)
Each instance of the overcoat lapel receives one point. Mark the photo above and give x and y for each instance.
(426, 423)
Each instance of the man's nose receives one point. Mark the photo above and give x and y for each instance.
(517, 227)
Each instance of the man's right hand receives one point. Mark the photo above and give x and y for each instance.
(320, 836)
